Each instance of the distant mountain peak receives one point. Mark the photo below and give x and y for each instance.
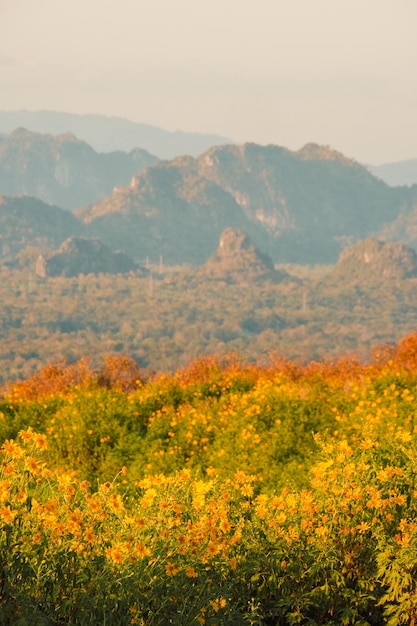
(81, 255)
(235, 243)
(371, 260)
(396, 174)
(236, 258)
(313, 151)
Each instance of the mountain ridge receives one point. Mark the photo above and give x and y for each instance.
(109, 133)
(62, 169)
(295, 206)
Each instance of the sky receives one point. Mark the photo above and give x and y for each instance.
(336, 72)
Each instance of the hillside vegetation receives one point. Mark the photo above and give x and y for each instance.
(237, 302)
(222, 494)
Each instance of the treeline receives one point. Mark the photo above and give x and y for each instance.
(166, 319)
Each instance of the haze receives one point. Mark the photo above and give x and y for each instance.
(272, 71)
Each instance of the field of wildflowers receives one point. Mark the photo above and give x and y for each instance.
(223, 494)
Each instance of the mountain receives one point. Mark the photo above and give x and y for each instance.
(238, 260)
(301, 207)
(83, 256)
(107, 134)
(372, 261)
(63, 170)
(395, 174)
(30, 222)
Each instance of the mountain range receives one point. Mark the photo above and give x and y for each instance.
(299, 207)
(109, 134)
(219, 234)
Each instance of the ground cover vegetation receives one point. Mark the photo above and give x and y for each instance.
(225, 493)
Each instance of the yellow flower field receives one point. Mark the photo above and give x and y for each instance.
(223, 494)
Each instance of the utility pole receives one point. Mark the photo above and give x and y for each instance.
(305, 302)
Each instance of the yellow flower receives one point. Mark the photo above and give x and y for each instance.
(93, 503)
(41, 441)
(26, 435)
(148, 497)
(225, 525)
(281, 518)
(116, 553)
(363, 527)
(247, 490)
(32, 465)
(115, 503)
(12, 449)
(171, 569)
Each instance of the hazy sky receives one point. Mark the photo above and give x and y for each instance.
(337, 72)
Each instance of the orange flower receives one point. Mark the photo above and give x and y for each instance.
(217, 604)
(214, 605)
(89, 535)
(7, 514)
(213, 548)
(190, 572)
(171, 569)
